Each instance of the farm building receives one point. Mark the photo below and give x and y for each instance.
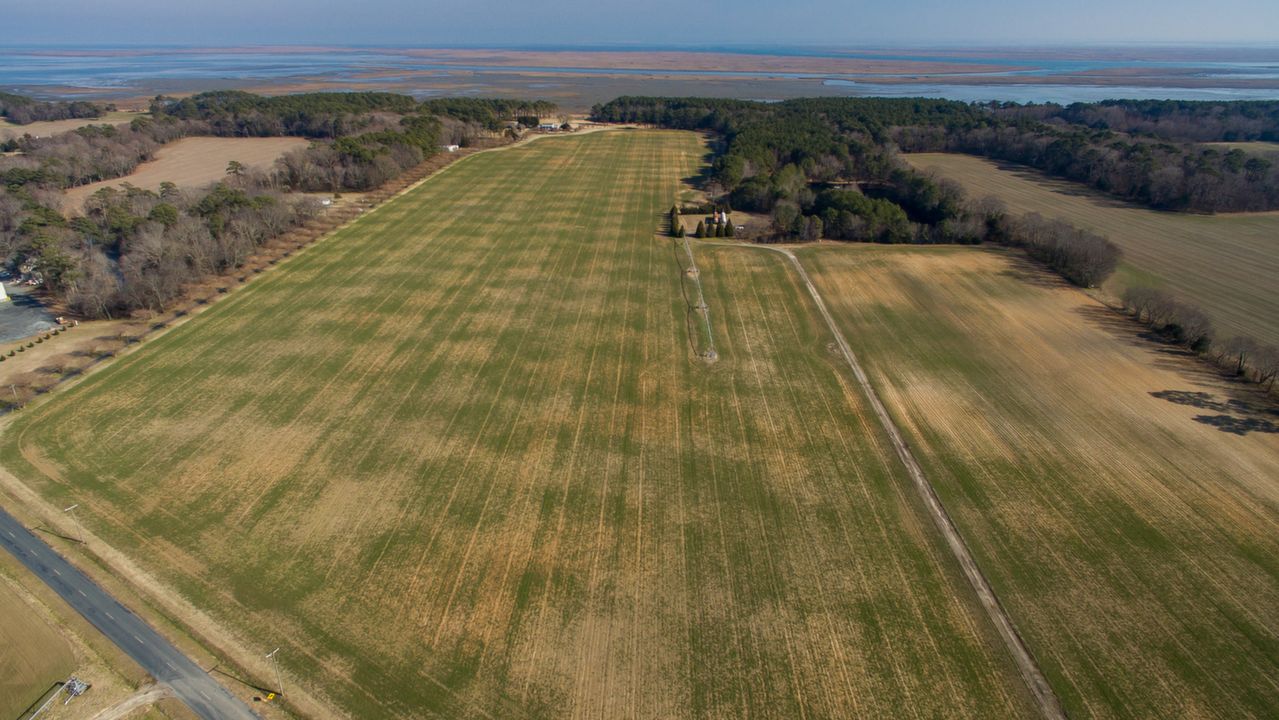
(550, 127)
(450, 148)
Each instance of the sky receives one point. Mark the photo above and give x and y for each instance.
(641, 22)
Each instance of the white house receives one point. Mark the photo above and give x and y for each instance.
(450, 148)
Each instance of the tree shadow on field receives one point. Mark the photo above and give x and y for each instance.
(1235, 416)
(1021, 269)
(1236, 425)
(1237, 406)
(1061, 186)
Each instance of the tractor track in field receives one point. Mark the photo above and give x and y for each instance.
(1045, 699)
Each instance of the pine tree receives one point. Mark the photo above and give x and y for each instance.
(701, 229)
(719, 229)
(728, 229)
(679, 230)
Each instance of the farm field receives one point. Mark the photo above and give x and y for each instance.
(192, 162)
(459, 459)
(1122, 500)
(33, 656)
(1226, 264)
(1259, 147)
(55, 127)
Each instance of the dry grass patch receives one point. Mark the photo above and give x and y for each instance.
(57, 127)
(34, 655)
(1122, 499)
(192, 162)
(1227, 264)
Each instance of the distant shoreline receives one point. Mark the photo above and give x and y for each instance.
(579, 77)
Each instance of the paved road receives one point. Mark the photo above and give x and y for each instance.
(156, 655)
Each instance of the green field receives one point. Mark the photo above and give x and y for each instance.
(1226, 264)
(1122, 500)
(460, 459)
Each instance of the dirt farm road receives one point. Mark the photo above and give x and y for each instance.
(138, 640)
(1047, 701)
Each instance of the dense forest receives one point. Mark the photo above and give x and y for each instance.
(135, 248)
(1176, 120)
(22, 110)
(849, 136)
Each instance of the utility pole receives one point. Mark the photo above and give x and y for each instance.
(276, 664)
(79, 530)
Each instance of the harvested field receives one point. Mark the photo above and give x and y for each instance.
(459, 459)
(1122, 500)
(33, 656)
(193, 162)
(56, 127)
(1226, 264)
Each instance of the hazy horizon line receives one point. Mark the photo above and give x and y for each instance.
(1023, 45)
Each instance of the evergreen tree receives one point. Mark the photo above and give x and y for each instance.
(728, 229)
(701, 229)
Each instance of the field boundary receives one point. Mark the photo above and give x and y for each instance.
(1049, 706)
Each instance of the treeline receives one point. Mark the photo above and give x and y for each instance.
(234, 113)
(1157, 174)
(489, 113)
(1183, 324)
(827, 168)
(1178, 120)
(374, 136)
(138, 249)
(87, 154)
(22, 110)
(847, 138)
(1084, 258)
(363, 139)
(364, 161)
